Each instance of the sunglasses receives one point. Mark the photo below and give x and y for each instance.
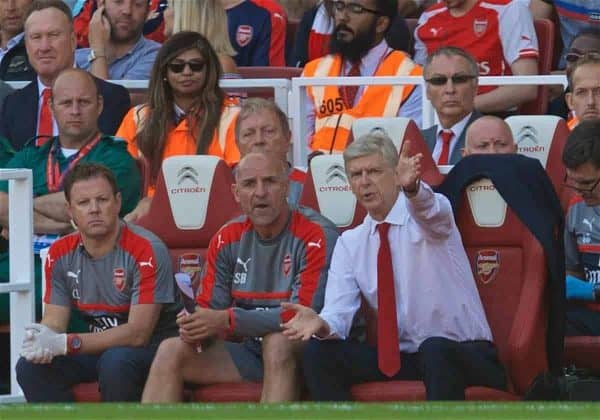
(457, 79)
(179, 66)
(354, 8)
(572, 57)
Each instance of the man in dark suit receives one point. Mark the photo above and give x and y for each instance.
(50, 43)
(451, 75)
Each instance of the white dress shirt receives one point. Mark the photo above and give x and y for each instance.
(412, 108)
(457, 129)
(436, 295)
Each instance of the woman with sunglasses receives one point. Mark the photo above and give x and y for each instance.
(187, 113)
(207, 17)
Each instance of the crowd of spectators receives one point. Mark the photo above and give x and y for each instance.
(71, 121)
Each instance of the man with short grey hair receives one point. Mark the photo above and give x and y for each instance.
(451, 76)
(408, 263)
(263, 127)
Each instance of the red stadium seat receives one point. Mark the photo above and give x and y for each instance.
(144, 169)
(582, 351)
(87, 392)
(510, 273)
(544, 29)
(411, 24)
(264, 72)
(543, 137)
(229, 392)
(192, 201)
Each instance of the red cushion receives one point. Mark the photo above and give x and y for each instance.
(229, 392)
(582, 351)
(87, 392)
(415, 391)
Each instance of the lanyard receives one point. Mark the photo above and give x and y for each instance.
(53, 176)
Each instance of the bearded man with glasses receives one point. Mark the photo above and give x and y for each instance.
(358, 48)
(451, 77)
(581, 157)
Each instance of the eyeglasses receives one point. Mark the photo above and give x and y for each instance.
(354, 8)
(457, 79)
(179, 66)
(581, 190)
(572, 57)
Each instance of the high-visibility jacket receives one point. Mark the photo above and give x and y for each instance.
(572, 122)
(333, 121)
(180, 141)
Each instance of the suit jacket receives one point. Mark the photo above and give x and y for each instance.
(430, 137)
(524, 185)
(18, 121)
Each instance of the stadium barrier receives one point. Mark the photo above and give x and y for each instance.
(290, 98)
(21, 284)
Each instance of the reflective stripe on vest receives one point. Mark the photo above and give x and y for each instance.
(333, 121)
(572, 123)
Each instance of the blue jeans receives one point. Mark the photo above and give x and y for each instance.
(120, 371)
(446, 367)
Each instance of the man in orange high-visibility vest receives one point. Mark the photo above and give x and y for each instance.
(358, 48)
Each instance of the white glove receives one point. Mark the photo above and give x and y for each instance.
(40, 337)
(37, 355)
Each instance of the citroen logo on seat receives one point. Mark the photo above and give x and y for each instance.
(188, 173)
(527, 133)
(378, 130)
(336, 171)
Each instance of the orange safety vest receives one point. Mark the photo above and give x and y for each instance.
(333, 121)
(179, 140)
(572, 122)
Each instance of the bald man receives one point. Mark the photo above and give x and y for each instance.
(489, 135)
(76, 105)
(274, 253)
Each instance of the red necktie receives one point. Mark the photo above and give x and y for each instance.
(45, 123)
(446, 137)
(388, 352)
(349, 92)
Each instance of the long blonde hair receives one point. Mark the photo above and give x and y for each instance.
(207, 17)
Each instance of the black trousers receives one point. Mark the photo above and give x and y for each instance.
(447, 367)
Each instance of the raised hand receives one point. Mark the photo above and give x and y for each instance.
(304, 323)
(408, 170)
(99, 31)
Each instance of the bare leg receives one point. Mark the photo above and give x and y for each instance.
(281, 359)
(177, 362)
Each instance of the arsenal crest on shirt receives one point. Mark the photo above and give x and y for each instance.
(488, 264)
(243, 35)
(119, 279)
(191, 263)
(286, 265)
(479, 27)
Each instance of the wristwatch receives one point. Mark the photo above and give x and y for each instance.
(93, 55)
(73, 343)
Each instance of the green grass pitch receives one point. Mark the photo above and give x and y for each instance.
(469, 410)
